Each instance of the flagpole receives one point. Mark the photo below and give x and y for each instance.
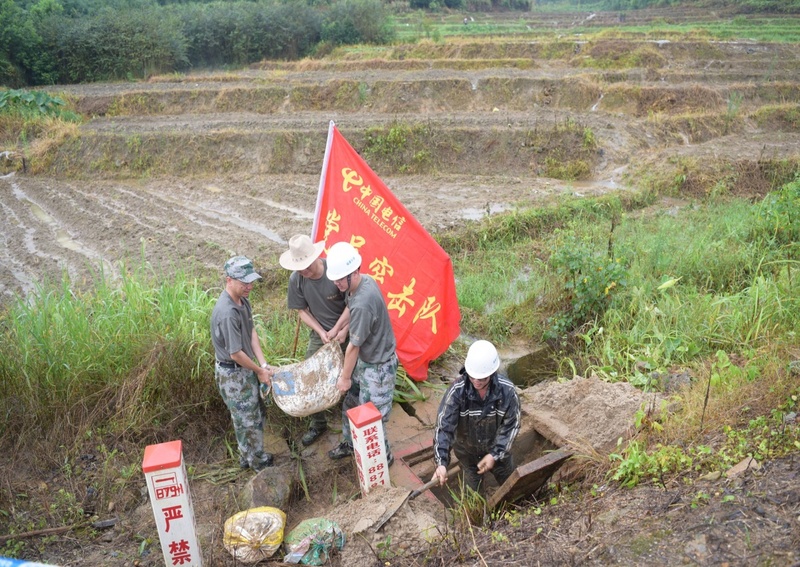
(321, 189)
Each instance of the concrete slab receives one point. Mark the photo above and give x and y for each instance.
(528, 478)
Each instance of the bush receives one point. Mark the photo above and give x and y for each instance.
(30, 103)
(243, 32)
(350, 22)
(590, 279)
(49, 44)
(778, 216)
(114, 45)
(9, 73)
(777, 226)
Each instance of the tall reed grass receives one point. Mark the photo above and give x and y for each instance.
(129, 357)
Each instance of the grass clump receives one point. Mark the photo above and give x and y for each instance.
(402, 146)
(26, 115)
(697, 179)
(783, 117)
(67, 350)
(591, 280)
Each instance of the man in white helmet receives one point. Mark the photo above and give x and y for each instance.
(478, 418)
(320, 305)
(370, 359)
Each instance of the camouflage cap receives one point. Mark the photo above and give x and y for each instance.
(241, 268)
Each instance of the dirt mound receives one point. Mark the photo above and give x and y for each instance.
(409, 531)
(585, 412)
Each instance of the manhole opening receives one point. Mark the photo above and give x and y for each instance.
(528, 446)
(532, 368)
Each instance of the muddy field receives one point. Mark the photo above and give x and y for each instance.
(189, 171)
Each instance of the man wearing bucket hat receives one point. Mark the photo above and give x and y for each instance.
(320, 306)
(478, 418)
(369, 360)
(236, 344)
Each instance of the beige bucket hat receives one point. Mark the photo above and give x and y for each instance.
(302, 252)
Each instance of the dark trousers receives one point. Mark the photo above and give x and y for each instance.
(469, 459)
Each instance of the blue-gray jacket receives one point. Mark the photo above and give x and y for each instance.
(479, 426)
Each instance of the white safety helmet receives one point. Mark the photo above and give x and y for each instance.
(482, 360)
(343, 260)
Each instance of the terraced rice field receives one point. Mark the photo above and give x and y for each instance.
(190, 169)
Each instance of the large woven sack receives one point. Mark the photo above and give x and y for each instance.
(309, 386)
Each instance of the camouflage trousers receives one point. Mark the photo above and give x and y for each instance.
(376, 384)
(239, 390)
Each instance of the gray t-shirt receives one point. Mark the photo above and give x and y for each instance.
(321, 296)
(370, 327)
(231, 327)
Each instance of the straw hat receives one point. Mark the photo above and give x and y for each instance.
(302, 252)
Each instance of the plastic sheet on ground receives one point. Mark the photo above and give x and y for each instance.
(312, 541)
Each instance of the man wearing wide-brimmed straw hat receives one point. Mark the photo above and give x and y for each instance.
(320, 305)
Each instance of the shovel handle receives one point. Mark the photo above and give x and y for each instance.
(432, 482)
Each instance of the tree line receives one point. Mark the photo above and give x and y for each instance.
(45, 42)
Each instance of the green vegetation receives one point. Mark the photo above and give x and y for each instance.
(24, 115)
(28, 103)
(357, 21)
(94, 357)
(623, 295)
(711, 289)
(761, 24)
(404, 147)
(127, 357)
(627, 297)
(71, 42)
(763, 437)
(707, 290)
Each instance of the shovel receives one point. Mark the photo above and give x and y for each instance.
(395, 506)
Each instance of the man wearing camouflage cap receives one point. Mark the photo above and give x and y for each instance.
(236, 344)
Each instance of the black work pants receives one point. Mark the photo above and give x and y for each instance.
(469, 459)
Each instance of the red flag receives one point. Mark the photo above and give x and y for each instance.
(414, 273)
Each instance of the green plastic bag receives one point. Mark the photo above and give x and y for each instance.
(311, 541)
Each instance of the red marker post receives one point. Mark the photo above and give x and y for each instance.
(167, 484)
(369, 447)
